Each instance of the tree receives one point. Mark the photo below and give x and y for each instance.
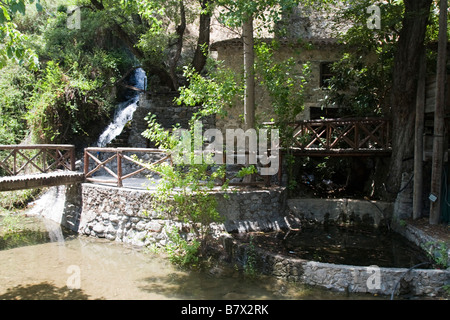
(439, 115)
(404, 26)
(243, 14)
(148, 39)
(14, 47)
(404, 87)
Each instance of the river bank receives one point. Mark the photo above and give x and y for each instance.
(85, 268)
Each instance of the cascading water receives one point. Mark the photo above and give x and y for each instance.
(124, 111)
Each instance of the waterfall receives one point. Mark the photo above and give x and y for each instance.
(50, 207)
(125, 110)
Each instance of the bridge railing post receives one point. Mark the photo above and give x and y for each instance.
(119, 168)
(72, 158)
(86, 163)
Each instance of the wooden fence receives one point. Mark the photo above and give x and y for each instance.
(352, 137)
(118, 155)
(43, 158)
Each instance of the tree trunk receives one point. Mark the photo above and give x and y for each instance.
(249, 78)
(204, 32)
(181, 28)
(439, 144)
(418, 142)
(249, 73)
(404, 91)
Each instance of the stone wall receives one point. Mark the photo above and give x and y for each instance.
(342, 211)
(125, 215)
(319, 52)
(60, 204)
(435, 247)
(344, 278)
(167, 113)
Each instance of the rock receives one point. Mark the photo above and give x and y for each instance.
(99, 228)
(154, 226)
(141, 225)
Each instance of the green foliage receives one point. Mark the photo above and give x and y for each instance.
(250, 267)
(360, 86)
(184, 192)
(363, 75)
(214, 93)
(246, 171)
(13, 42)
(269, 12)
(180, 251)
(438, 252)
(285, 82)
(16, 88)
(72, 94)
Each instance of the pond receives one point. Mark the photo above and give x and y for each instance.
(47, 262)
(348, 245)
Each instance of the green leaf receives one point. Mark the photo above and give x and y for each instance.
(4, 16)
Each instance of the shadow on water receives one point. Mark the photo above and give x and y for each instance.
(226, 283)
(360, 246)
(43, 291)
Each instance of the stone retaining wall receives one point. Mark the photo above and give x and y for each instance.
(342, 278)
(342, 211)
(435, 247)
(125, 215)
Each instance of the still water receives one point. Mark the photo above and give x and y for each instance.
(61, 265)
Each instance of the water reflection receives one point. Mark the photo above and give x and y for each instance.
(109, 270)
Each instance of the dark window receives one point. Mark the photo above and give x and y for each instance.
(325, 73)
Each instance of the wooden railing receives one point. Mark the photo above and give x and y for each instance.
(43, 158)
(356, 136)
(113, 164)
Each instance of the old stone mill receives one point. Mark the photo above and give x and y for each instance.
(106, 193)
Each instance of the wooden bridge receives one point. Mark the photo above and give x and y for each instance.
(36, 166)
(354, 137)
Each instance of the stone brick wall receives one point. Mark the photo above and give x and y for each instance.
(342, 211)
(167, 113)
(125, 215)
(343, 278)
(320, 51)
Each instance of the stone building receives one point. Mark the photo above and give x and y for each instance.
(319, 53)
(308, 39)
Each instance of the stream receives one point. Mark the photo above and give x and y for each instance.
(47, 262)
(125, 110)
